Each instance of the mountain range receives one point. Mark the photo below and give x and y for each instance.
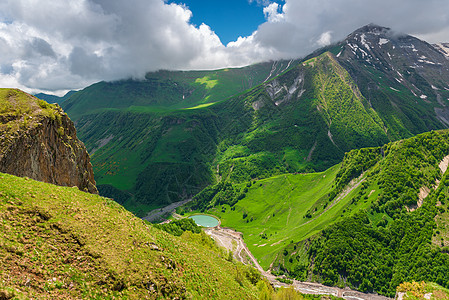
(53, 98)
(165, 138)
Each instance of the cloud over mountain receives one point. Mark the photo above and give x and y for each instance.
(67, 44)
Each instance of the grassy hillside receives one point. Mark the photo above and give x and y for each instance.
(21, 110)
(374, 221)
(422, 290)
(169, 90)
(62, 243)
(391, 241)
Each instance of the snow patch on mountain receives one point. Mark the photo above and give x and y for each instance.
(383, 41)
(443, 48)
(363, 41)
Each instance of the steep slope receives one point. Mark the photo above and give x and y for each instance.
(405, 80)
(166, 138)
(128, 129)
(155, 158)
(403, 187)
(60, 243)
(168, 90)
(302, 120)
(390, 242)
(39, 141)
(443, 48)
(371, 223)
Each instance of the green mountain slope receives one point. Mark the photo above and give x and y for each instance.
(61, 243)
(166, 138)
(372, 223)
(168, 90)
(302, 120)
(53, 98)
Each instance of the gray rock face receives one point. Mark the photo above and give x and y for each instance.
(399, 74)
(44, 146)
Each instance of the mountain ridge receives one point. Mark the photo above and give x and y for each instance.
(412, 69)
(53, 98)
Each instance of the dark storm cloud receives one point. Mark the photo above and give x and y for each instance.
(40, 47)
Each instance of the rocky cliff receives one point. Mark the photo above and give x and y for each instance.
(38, 140)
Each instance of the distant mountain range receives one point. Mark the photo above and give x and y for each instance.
(53, 98)
(163, 139)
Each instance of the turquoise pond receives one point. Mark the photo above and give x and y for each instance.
(205, 221)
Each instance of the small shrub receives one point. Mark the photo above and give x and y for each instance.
(284, 280)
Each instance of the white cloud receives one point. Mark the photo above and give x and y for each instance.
(260, 2)
(68, 44)
(272, 13)
(325, 39)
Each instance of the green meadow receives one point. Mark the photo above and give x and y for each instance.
(273, 212)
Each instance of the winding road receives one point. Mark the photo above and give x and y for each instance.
(156, 214)
(233, 241)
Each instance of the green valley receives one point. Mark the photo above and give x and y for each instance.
(273, 211)
(371, 223)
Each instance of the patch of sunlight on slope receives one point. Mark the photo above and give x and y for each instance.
(200, 106)
(210, 83)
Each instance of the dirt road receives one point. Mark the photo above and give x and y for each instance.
(156, 214)
(233, 241)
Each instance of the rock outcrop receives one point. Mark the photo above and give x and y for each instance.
(38, 140)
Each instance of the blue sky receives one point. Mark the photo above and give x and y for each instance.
(229, 19)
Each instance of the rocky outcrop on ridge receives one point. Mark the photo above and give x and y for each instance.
(38, 140)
